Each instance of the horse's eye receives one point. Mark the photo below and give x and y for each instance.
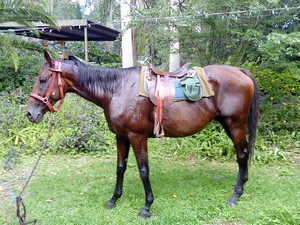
(43, 79)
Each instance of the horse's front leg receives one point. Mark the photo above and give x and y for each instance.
(140, 148)
(123, 145)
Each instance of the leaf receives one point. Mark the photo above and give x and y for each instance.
(25, 13)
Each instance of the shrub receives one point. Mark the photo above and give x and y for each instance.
(83, 130)
(280, 97)
(96, 55)
(75, 132)
(29, 68)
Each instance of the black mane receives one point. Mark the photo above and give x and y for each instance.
(96, 79)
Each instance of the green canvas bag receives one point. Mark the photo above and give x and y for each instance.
(191, 87)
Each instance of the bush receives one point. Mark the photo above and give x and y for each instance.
(75, 132)
(83, 130)
(280, 97)
(30, 65)
(96, 55)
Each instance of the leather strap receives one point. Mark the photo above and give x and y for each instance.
(56, 75)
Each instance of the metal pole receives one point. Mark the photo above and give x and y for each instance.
(86, 43)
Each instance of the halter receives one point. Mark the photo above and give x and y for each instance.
(56, 74)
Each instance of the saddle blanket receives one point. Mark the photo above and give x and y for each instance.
(192, 86)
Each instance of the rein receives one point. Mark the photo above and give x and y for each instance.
(21, 209)
(56, 75)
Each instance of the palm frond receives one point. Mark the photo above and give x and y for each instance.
(25, 12)
(8, 48)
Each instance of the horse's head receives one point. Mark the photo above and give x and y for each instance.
(48, 90)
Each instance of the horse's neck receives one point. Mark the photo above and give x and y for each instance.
(97, 85)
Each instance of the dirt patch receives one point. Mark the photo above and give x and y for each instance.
(296, 156)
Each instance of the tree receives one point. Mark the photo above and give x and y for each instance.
(212, 31)
(24, 12)
(65, 9)
(104, 12)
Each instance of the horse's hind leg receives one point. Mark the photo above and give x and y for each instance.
(123, 145)
(237, 133)
(242, 158)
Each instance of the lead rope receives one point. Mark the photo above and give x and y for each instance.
(21, 209)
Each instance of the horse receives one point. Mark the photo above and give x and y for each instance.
(235, 105)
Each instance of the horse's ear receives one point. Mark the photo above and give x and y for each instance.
(47, 56)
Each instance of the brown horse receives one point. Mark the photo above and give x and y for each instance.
(130, 116)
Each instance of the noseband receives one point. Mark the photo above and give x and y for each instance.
(56, 74)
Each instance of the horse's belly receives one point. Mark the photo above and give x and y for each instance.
(182, 120)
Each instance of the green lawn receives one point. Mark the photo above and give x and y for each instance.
(74, 190)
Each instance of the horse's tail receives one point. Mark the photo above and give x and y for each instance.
(253, 115)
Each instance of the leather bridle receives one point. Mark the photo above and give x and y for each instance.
(56, 75)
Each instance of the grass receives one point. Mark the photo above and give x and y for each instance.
(74, 190)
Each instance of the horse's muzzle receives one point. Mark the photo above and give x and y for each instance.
(34, 116)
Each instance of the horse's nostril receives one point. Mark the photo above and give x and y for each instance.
(28, 114)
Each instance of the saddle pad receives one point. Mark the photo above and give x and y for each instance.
(179, 92)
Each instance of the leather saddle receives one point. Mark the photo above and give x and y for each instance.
(178, 73)
(162, 93)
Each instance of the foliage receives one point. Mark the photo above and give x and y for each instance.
(30, 64)
(81, 131)
(65, 9)
(280, 96)
(104, 11)
(29, 67)
(97, 55)
(280, 47)
(217, 32)
(24, 12)
(75, 132)
(211, 143)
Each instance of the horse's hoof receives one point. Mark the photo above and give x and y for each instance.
(233, 200)
(144, 214)
(110, 205)
(232, 203)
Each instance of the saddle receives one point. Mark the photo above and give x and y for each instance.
(178, 73)
(162, 93)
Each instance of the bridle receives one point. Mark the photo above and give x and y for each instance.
(56, 74)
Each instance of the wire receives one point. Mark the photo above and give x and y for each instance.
(237, 14)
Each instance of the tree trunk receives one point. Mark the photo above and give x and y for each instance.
(174, 60)
(127, 50)
(134, 44)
